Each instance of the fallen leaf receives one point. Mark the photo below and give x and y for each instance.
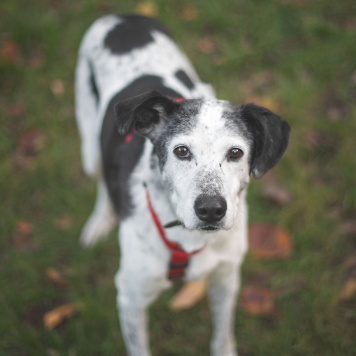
(56, 316)
(206, 45)
(64, 222)
(274, 192)
(189, 295)
(16, 111)
(337, 112)
(348, 290)
(22, 234)
(24, 227)
(189, 13)
(56, 278)
(52, 352)
(57, 87)
(9, 52)
(257, 301)
(147, 8)
(313, 139)
(348, 227)
(268, 241)
(353, 77)
(30, 142)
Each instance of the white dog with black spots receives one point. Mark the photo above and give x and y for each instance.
(172, 164)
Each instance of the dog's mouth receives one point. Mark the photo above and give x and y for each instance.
(206, 228)
(209, 228)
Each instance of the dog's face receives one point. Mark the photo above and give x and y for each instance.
(206, 151)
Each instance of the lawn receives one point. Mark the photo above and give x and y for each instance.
(296, 57)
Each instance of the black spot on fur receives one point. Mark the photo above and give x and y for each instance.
(183, 77)
(133, 32)
(94, 87)
(268, 133)
(119, 157)
(180, 121)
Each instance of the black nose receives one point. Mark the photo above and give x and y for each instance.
(210, 208)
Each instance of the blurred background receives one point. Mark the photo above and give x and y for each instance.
(296, 57)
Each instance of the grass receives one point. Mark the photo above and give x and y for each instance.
(296, 55)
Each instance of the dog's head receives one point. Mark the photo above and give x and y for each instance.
(207, 151)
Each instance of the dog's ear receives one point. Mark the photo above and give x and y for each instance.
(270, 137)
(147, 113)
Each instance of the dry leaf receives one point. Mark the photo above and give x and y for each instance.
(206, 45)
(57, 87)
(257, 301)
(189, 295)
(56, 278)
(30, 142)
(16, 111)
(267, 241)
(56, 316)
(348, 227)
(9, 52)
(64, 222)
(276, 193)
(147, 8)
(313, 139)
(348, 290)
(189, 13)
(24, 227)
(22, 234)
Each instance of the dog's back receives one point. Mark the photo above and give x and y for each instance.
(121, 57)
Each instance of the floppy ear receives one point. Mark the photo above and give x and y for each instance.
(270, 137)
(147, 113)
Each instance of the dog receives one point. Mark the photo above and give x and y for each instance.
(173, 164)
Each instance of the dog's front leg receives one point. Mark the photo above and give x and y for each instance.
(138, 282)
(133, 323)
(223, 287)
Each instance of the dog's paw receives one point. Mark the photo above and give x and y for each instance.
(96, 228)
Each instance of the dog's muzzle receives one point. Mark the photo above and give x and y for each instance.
(210, 209)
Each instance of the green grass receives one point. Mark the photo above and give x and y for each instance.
(298, 54)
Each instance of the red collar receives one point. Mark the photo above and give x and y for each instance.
(179, 258)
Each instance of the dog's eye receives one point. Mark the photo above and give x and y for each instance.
(182, 152)
(234, 154)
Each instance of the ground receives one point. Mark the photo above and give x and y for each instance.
(296, 57)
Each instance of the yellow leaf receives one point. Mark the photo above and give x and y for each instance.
(147, 8)
(189, 13)
(189, 295)
(56, 278)
(349, 290)
(56, 316)
(57, 87)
